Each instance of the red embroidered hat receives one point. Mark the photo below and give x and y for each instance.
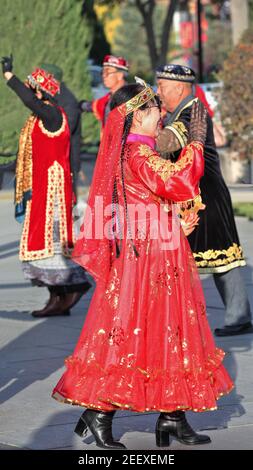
(116, 62)
(44, 81)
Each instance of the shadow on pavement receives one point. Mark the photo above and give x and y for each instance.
(36, 353)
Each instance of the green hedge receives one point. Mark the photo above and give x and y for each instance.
(244, 209)
(43, 31)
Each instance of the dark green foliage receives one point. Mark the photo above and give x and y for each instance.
(131, 39)
(237, 96)
(99, 46)
(50, 31)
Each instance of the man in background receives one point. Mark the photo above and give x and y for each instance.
(215, 242)
(114, 75)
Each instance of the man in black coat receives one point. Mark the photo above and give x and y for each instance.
(215, 242)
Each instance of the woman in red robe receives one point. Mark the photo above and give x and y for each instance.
(146, 344)
(44, 197)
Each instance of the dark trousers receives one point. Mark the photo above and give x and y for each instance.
(232, 290)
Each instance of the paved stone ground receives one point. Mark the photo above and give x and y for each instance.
(33, 352)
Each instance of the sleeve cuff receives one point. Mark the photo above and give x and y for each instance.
(189, 206)
(180, 133)
(11, 81)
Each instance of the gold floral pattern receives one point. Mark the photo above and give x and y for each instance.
(179, 130)
(164, 168)
(55, 189)
(146, 151)
(180, 127)
(116, 336)
(225, 259)
(112, 291)
(189, 206)
(191, 372)
(161, 280)
(192, 315)
(24, 160)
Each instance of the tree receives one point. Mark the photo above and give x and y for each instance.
(237, 96)
(125, 43)
(158, 47)
(99, 46)
(44, 31)
(219, 43)
(251, 13)
(158, 54)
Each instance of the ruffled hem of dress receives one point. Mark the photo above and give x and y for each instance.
(135, 390)
(114, 406)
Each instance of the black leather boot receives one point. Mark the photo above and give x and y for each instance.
(69, 296)
(100, 425)
(175, 425)
(52, 307)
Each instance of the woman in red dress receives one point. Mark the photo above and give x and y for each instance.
(146, 344)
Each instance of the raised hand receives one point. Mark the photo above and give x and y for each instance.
(7, 63)
(198, 124)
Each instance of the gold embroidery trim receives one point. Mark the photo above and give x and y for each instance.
(56, 133)
(112, 290)
(212, 257)
(189, 206)
(137, 101)
(179, 126)
(164, 168)
(111, 403)
(186, 106)
(60, 193)
(179, 130)
(220, 269)
(197, 145)
(55, 188)
(24, 160)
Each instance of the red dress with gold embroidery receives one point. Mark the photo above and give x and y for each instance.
(146, 343)
(49, 170)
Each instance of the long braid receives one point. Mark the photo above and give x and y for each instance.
(115, 202)
(121, 96)
(128, 124)
(115, 197)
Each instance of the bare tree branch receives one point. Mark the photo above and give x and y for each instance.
(166, 31)
(158, 54)
(149, 27)
(146, 7)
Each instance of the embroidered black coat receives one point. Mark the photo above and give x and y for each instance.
(215, 242)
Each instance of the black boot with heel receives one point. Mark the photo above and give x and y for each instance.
(175, 425)
(62, 299)
(100, 425)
